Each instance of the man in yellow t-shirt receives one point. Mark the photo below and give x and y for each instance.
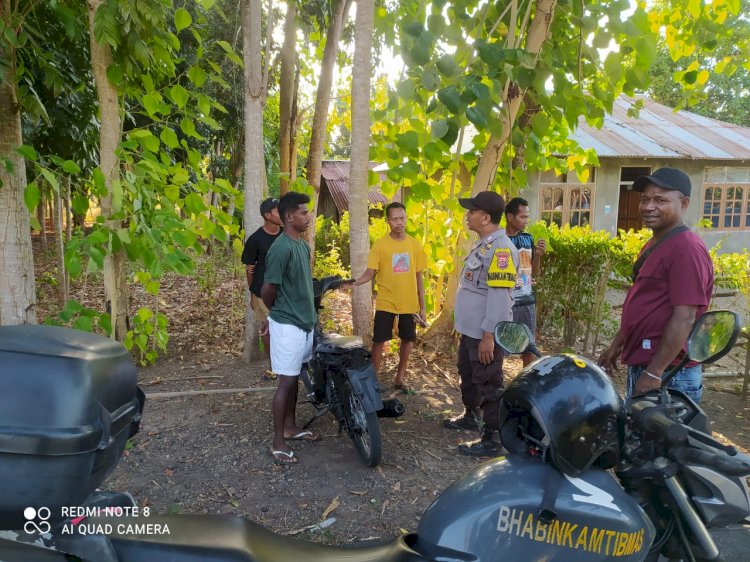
(398, 260)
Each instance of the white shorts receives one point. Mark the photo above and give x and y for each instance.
(290, 348)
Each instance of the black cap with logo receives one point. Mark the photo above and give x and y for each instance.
(666, 178)
(488, 201)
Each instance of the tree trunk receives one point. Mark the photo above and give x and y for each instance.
(110, 134)
(41, 216)
(360, 159)
(68, 211)
(17, 289)
(287, 95)
(485, 174)
(255, 168)
(322, 102)
(62, 277)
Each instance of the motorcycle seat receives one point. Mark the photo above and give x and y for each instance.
(334, 343)
(222, 538)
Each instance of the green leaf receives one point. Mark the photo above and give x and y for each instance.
(540, 124)
(231, 55)
(421, 190)
(476, 115)
(51, 179)
(439, 128)
(197, 76)
(194, 203)
(123, 235)
(83, 323)
(169, 137)
(152, 102)
(408, 141)
(71, 167)
(430, 80)
(451, 98)
(31, 196)
(188, 127)
(613, 67)
(450, 137)
(447, 65)
(406, 89)
(179, 95)
(27, 152)
(80, 204)
(99, 182)
(690, 77)
(34, 222)
(172, 192)
(115, 74)
(207, 4)
(414, 28)
(182, 19)
(432, 150)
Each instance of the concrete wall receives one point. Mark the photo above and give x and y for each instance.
(607, 197)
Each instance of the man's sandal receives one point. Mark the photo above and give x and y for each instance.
(283, 457)
(305, 435)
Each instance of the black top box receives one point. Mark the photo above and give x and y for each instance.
(69, 401)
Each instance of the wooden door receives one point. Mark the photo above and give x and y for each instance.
(627, 212)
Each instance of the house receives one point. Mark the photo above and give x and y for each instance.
(334, 189)
(714, 154)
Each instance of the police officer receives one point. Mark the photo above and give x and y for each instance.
(485, 297)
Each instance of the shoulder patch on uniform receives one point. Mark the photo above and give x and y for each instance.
(502, 270)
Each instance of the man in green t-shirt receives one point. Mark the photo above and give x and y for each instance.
(287, 291)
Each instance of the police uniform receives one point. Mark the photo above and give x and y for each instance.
(484, 298)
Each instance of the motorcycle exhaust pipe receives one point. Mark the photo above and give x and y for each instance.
(392, 408)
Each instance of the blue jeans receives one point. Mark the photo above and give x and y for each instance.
(688, 380)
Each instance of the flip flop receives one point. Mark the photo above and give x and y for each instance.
(306, 435)
(403, 388)
(282, 457)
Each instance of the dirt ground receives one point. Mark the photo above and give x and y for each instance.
(210, 453)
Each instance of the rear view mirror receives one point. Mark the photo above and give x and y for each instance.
(513, 337)
(713, 335)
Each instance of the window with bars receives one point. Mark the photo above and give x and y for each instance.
(726, 198)
(566, 200)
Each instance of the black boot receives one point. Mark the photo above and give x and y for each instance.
(488, 446)
(467, 420)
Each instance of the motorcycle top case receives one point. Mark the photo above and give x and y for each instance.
(493, 514)
(69, 401)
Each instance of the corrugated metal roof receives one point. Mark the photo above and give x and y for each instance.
(659, 132)
(336, 175)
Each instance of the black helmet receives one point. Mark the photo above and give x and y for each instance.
(567, 408)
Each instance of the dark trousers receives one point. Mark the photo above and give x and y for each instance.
(479, 383)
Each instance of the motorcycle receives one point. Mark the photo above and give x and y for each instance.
(340, 379)
(554, 497)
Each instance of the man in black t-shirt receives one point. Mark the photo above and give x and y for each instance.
(530, 254)
(254, 258)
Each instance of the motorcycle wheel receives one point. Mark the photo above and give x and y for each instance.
(364, 428)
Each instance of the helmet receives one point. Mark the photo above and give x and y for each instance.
(566, 407)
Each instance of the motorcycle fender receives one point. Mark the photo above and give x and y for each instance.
(365, 384)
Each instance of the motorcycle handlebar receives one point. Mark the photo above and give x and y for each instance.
(738, 465)
(651, 418)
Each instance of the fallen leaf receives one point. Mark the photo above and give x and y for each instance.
(357, 493)
(168, 471)
(397, 487)
(385, 504)
(331, 506)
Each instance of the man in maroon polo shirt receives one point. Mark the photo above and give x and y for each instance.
(672, 286)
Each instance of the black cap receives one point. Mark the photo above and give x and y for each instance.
(666, 178)
(488, 201)
(268, 205)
